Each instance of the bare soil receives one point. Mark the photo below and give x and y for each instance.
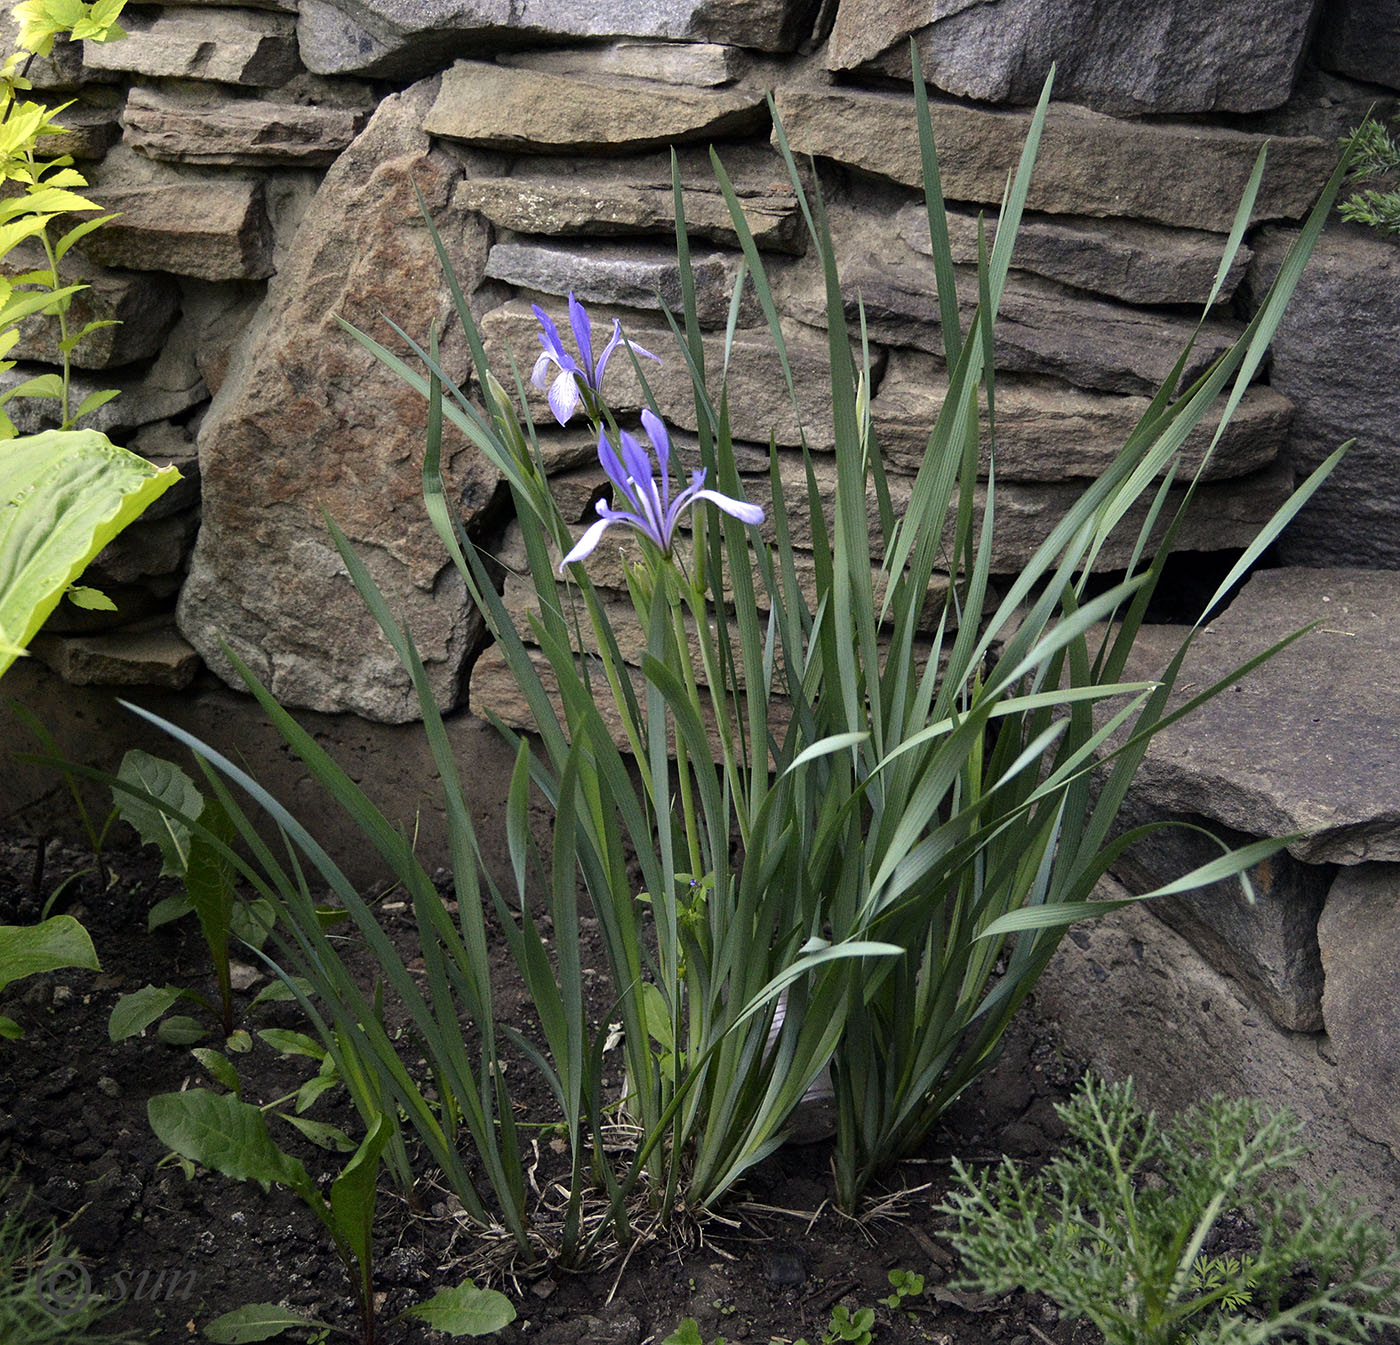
(176, 1252)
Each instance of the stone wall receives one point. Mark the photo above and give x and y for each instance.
(267, 163)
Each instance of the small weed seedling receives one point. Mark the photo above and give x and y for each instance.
(845, 1326)
(906, 1284)
(1116, 1229)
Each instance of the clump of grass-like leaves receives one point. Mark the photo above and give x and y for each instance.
(1123, 1227)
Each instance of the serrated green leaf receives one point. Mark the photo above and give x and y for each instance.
(465, 1310)
(135, 1012)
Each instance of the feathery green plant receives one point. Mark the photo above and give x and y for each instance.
(1374, 153)
(1117, 1229)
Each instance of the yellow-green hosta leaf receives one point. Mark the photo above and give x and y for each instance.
(90, 599)
(64, 494)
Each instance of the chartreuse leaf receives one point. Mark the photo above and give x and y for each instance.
(465, 1311)
(256, 1321)
(60, 941)
(64, 494)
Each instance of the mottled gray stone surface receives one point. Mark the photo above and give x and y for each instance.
(182, 42)
(1310, 741)
(573, 196)
(496, 107)
(1359, 935)
(1361, 38)
(636, 275)
(1124, 259)
(404, 38)
(1188, 176)
(1129, 996)
(1337, 358)
(1173, 56)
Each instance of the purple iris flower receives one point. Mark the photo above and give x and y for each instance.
(566, 392)
(651, 509)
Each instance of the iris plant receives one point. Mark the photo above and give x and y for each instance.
(651, 509)
(575, 381)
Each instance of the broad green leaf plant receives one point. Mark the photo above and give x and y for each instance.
(64, 493)
(831, 805)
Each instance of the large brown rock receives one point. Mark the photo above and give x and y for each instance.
(237, 131)
(1184, 175)
(1337, 358)
(404, 39)
(496, 107)
(575, 196)
(308, 421)
(1177, 56)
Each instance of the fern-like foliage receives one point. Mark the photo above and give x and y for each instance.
(1119, 1228)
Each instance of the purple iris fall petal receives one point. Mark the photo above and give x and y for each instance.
(654, 512)
(566, 391)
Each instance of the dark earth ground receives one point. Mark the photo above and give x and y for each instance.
(176, 1252)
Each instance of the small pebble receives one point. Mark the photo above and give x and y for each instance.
(786, 1268)
(62, 994)
(109, 1087)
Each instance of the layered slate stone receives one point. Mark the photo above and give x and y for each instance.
(1359, 935)
(250, 132)
(1271, 756)
(1187, 176)
(213, 230)
(1222, 516)
(702, 64)
(149, 654)
(1176, 56)
(576, 197)
(307, 420)
(759, 403)
(1361, 38)
(1047, 431)
(141, 305)
(1131, 996)
(639, 275)
(1124, 259)
(1267, 944)
(169, 386)
(495, 107)
(183, 42)
(90, 125)
(404, 38)
(1336, 356)
(1041, 327)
